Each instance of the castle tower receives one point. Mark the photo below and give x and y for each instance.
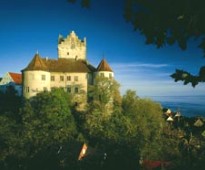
(71, 47)
(104, 69)
(36, 77)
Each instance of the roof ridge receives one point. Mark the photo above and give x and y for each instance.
(17, 78)
(104, 66)
(37, 63)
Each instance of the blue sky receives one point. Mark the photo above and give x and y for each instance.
(31, 25)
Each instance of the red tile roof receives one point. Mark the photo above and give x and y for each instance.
(17, 78)
(37, 64)
(60, 65)
(104, 66)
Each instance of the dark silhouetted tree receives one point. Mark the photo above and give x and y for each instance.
(167, 23)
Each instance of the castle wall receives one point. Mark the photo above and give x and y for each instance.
(72, 82)
(35, 82)
(72, 47)
(107, 74)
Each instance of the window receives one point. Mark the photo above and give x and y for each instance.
(68, 78)
(69, 89)
(43, 77)
(61, 78)
(76, 78)
(52, 78)
(102, 74)
(110, 75)
(27, 89)
(76, 89)
(45, 89)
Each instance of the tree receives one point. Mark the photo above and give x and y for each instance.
(104, 105)
(127, 133)
(49, 114)
(10, 102)
(84, 3)
(48, 128)
(104, 96)
(103, 124)
(167, 23)
(143, 125)
(10, 132)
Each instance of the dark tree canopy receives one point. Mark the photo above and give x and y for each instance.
(169, 22)
(166, 23)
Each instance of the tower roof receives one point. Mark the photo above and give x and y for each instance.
(60, 65)
(104, 66)
(36, 64)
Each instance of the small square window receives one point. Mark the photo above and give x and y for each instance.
(102, 74)
(68, 78)
(45, 89)
(69, 89)
(76, 90)
(61, 78)
(27, 89)
(43, 77)
(52, 78)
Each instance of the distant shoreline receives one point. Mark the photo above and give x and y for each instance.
(191, 106)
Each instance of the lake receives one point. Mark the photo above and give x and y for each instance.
(187, 105)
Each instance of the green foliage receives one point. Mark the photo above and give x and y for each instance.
(10, 102)
(44, 131)
(169, 22)
(143, 124)
(181, 75)
(47, 119)
(10, 142)
(48, 133)
(127, 133)
(104, 96)
(102, 119)
(84, 3)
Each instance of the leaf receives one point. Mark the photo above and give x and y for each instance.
(202, 74)
(85, 3)
(71, 1)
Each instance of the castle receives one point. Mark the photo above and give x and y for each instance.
(70, 71)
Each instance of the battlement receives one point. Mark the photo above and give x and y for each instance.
(71, 47)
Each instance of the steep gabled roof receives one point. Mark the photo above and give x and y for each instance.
(59, 65)
(17, 78)
(198, 123)
(104, 66)
(36, 64)
(68, 65)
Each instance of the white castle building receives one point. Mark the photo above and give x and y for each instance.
(70, 71)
